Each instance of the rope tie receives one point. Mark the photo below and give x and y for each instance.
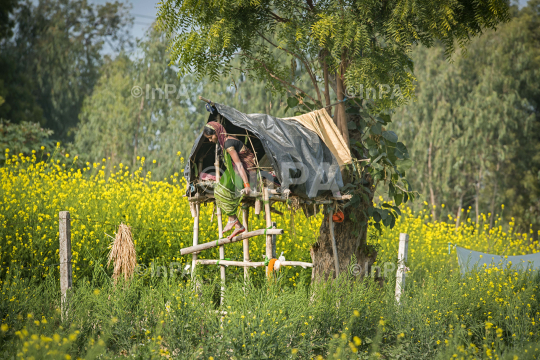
(267, 229)
(227, 259)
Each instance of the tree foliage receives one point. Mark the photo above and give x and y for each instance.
(353, 45)
(53, 60)
(23, 138)
(474, 130)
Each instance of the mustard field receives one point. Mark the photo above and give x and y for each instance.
(33, 193)
(492, 313)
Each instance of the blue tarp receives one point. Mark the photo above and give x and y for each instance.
(468, 259)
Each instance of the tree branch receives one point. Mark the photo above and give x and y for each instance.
(310, 73)
(277, 77)
(278, 18)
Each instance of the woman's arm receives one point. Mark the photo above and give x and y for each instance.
(239, 166)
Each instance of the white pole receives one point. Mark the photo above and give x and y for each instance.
(66, 274)
(402, 258)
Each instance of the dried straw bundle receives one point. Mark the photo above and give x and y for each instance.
(123, 254)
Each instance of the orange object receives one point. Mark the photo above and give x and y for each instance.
(270, 268)
(338, 217)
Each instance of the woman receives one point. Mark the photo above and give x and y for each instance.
(240, 163)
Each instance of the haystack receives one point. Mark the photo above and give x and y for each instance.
(123, 254)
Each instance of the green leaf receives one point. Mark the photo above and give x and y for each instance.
(370, 143)
(376, 129)
(401, 151)
(398, 198)
(390, 136)
(392, 222)
(388, 220)
(351, 125)
(404, 165)
(376, 215)
(373, 151)
(391, 190)
(292, 102)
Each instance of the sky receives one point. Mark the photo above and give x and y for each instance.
(144, 11)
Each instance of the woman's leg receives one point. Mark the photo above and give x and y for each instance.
(232, 221)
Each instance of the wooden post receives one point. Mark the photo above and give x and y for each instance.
(266, 200)
(220, 229)
(66, 274)
(334, 245)
(245, 219)
(195, 238)
(274, 240)
(402, 258)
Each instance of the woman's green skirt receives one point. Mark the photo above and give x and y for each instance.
(227, 200)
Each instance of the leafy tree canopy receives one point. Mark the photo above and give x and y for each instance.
(53, 60)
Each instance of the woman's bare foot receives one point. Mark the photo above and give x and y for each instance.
(230, 224)
(238, 230)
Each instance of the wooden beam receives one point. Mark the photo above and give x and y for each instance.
(251, 264)
(246, 235)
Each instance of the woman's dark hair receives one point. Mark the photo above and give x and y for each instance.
(208, 131)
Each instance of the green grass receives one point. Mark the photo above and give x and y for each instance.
(440, 315)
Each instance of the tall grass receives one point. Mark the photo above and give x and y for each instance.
(484, 314)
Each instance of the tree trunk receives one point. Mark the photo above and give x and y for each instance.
(477, 196)
(430, 177)
(141, 107)
(458, 214)
(351, 238)
(347, 243)
(493, 198)
(341, 116)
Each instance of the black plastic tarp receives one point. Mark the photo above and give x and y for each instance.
(300, 159)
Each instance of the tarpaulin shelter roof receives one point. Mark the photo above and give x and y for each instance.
(300, 159)
(470, 259)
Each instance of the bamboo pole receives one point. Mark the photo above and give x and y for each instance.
(334, 245)
(274, 240)
(245, 218)
(268, 215)
(247, 264)
(195, 238)
(220, 228)
(246, 235)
